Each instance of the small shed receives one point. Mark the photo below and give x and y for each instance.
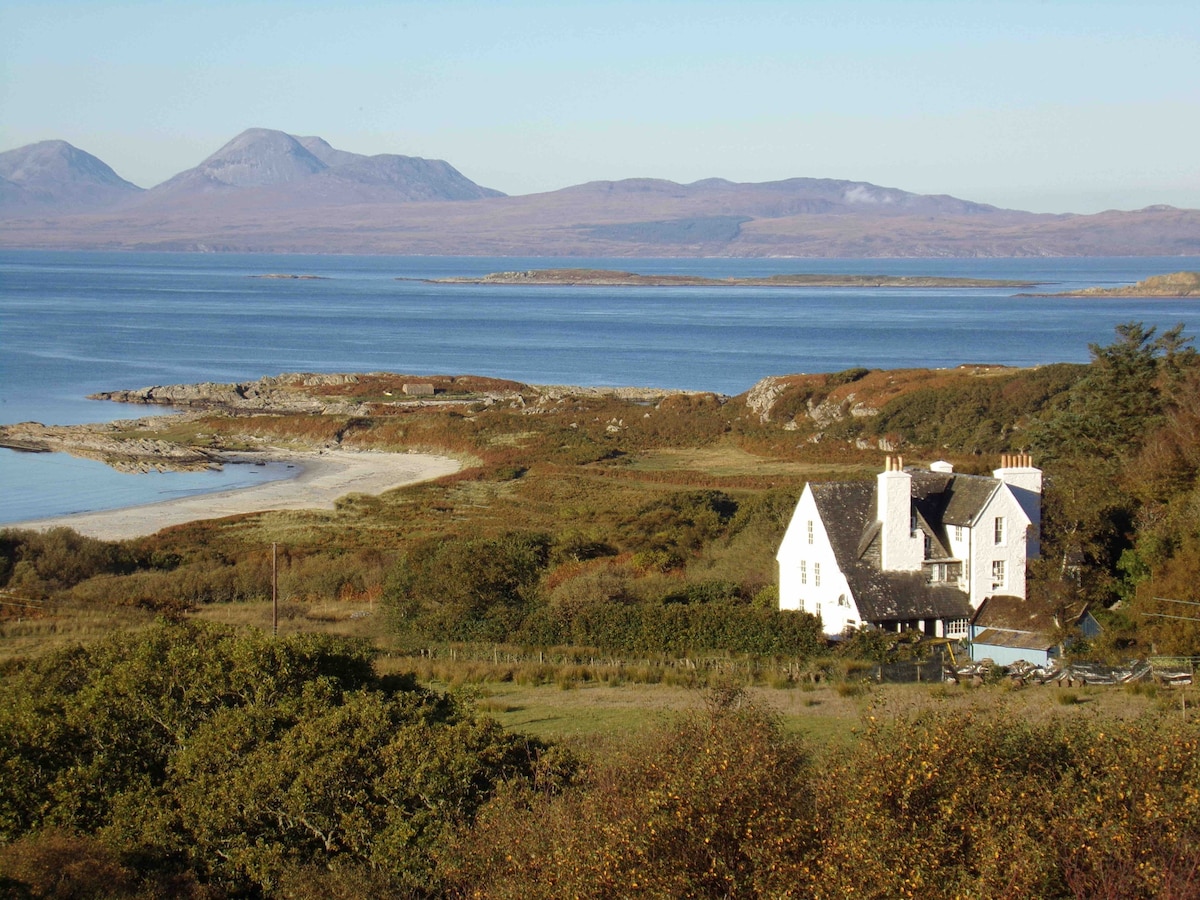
(420, 389)
(1006, 629)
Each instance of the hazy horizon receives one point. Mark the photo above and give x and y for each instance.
(1049, 107)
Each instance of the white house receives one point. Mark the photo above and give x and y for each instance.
(918, 548)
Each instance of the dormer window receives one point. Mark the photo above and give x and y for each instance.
(999, 530)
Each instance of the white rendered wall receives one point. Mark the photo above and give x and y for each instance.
(1011, 550)
(901, 551)
(797, 555)
(1025, 482)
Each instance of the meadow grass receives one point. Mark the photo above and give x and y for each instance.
(65, 625)
(586, 706)
(729, 461)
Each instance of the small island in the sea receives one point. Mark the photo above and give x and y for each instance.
(610, 278)
(290, 277)
(1176, 285)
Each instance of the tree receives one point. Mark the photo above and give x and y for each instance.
(1090, 446)
(1119, 401)
(472, 589)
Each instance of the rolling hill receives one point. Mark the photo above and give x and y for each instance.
(268, 191)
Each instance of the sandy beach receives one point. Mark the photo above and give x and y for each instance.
(322, 477)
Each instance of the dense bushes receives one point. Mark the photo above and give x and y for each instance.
(718, 805)
(38, 564)
(677, 629)
(976, 416)
(241, 759)
(503, 589)
(198, 762)
(936, 806)
(989, 805)
(463, 590)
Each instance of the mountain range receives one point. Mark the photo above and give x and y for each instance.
(268, 191)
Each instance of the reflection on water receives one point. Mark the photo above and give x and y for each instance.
(41, 485)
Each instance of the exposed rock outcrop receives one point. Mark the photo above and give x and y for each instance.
(362, 395)
(282, 394)
(109, 444)
(761, 398)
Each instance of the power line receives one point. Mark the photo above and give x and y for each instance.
(1169, 600)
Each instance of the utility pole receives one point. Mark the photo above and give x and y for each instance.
(274, 588)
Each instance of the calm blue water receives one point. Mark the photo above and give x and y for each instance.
(75, 323)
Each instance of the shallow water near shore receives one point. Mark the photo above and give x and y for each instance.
(77, 323)
(44, 485)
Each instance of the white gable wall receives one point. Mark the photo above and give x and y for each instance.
(986, 550)
(1025, 482)
(809, 576)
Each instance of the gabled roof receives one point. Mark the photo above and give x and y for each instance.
(848, 512)
(949, 499)
(847, 509)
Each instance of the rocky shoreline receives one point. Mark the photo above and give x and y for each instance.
(132, 445)
(1175, 286)
(362, 394)
(111, 443)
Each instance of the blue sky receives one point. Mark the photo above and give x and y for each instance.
(1053, 106)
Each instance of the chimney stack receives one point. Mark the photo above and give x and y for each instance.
(900, 550)
(1025, 481)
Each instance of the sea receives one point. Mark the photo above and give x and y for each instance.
(75, 323)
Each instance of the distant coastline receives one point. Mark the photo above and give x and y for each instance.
(1175, 286)
(613, 278)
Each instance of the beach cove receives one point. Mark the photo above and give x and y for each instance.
(322, 476)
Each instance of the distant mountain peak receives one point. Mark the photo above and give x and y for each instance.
(308, 170)
(258, 157)
(59, 175)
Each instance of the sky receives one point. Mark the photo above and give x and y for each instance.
(1044, 105)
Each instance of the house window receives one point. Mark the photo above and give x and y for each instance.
(956, 628)
(803, 572)
(997, 573)
(958, 532)
(999, 529)
(842, 600)
(816, 574)
(935, 573)
(810, 531)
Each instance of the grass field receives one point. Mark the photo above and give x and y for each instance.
(590, 707)
(586, 707)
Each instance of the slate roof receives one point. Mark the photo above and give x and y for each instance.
(1007, 613)
(903, 596)
(848, 511)
(1013, 640)
(943, 499)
